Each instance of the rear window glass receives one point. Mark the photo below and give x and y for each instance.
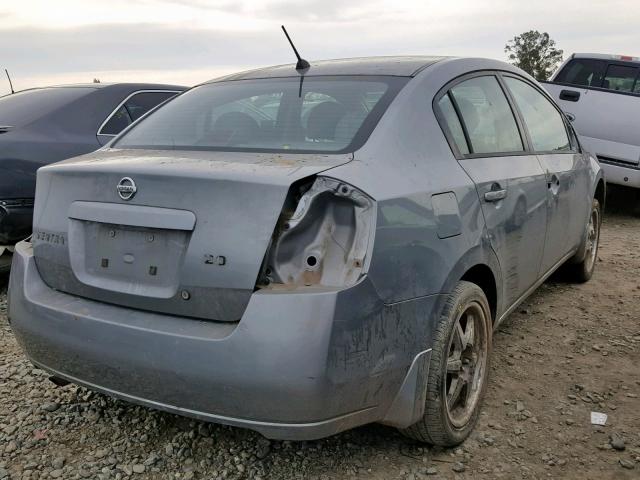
(142, 102)
(583, 71)
(453, 123)
(487, 116)
(312, 114)
(620, 78)
(22, 108)
(118, 122)
(134, 108)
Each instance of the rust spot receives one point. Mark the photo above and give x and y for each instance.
(311, 277)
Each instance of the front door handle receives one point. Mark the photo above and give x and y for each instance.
(495, 195)
(569, 95)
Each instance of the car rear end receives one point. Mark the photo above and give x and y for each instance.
(210, 278)
(161, 305)
(601, 95)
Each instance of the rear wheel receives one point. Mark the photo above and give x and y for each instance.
(582, 271)
(458, 370)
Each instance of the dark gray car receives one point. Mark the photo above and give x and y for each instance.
(302, 252)
(45, 125)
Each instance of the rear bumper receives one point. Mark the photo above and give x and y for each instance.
(16, 217)
(620, 174)
(297, 366)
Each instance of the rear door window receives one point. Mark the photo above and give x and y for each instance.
(486, 116)
(132, 109)
(119, 120)
(620, 78)
(583, 71)
(453, 123)
(141, 103)
(545, 124)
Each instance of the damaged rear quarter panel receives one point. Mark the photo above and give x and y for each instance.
(387, 320)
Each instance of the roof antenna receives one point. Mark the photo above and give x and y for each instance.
(9, 78)
(302, 63)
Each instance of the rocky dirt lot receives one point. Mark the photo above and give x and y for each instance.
(568, 351)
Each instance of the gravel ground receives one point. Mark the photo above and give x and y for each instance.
(569, 350)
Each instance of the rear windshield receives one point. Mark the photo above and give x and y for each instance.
(583, 71)
(312, 114)
(22, 108)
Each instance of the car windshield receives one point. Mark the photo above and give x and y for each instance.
(300, 114)
(22, 108)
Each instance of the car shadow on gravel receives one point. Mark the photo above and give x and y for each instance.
(622, 202)
(622, 206)
(178, 440)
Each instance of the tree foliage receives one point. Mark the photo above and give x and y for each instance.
(535, 53)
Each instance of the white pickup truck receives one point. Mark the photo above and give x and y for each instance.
(601, 96)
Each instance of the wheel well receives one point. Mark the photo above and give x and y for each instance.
(600, 193)
(482, 276)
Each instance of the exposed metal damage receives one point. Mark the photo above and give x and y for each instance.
(324, 241)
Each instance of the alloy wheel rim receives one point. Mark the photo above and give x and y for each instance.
(466, 364)
(592, 238)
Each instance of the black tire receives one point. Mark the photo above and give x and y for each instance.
(580, 269)
(442, 424)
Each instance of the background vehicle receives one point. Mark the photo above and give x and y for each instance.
(45, 125)
(302, 252)
(601, 95)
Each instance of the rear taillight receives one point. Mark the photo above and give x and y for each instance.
(322, 239)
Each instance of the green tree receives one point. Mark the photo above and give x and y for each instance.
(535, 53)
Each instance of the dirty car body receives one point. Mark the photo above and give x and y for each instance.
(280, 263)
(40, 126)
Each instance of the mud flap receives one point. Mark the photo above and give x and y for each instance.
(408, 405)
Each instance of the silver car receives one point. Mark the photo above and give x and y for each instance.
(300, 252)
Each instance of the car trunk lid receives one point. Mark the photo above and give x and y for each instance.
(189, 241)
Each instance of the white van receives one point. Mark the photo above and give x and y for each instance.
(601, 96)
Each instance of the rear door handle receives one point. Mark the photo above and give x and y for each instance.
(554, 184)
(495, 195)
(570, 95)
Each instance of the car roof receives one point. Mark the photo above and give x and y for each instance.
(400, 66)
(123, 85)
(606, 56)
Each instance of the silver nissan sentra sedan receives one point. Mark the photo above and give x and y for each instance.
(300, 252)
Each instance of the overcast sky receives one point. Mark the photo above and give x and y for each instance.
(45, 42)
